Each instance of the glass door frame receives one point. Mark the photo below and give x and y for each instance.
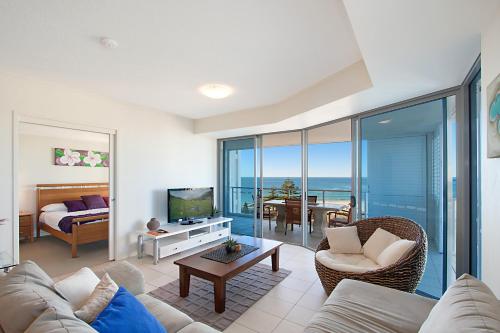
(220, 176)
(463, 186)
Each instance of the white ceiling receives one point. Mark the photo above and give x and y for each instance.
(410, 48)
(267, 50)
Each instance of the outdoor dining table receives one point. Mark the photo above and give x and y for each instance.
(319, 211)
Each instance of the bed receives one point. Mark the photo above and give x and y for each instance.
(82, 228)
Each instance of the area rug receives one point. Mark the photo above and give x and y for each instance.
(242, 292)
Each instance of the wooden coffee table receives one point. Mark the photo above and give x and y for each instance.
(219, 273)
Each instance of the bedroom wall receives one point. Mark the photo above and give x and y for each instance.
(36, 165)
(155, 150)
(490, 167)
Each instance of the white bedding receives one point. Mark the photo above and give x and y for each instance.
(52, 218)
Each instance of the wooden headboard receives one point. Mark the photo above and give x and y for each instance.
(56, 193)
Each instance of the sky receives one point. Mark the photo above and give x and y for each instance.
(325, 160)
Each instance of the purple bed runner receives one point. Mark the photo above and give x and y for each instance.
(66, 222)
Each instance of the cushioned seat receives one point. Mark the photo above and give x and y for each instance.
(342, 262)
(171, 319)
(357, 306)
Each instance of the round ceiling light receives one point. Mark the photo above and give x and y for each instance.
(109, 43)
(216, 90)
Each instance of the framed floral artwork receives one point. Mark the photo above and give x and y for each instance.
(86, 158)
(493, 126)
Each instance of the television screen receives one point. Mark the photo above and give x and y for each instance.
(186, 203)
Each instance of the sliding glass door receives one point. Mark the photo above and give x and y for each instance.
(281, 187)
(329, 179)
(239, 185)
(408, 167)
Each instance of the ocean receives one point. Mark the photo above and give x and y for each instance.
(329, 189)
(315, 184)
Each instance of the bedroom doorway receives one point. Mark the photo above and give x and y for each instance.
(64, 195)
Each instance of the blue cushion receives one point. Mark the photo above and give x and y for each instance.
(125, 314)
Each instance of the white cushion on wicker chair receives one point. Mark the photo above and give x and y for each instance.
(395, 251)
(356, 263)
(378, 242)
(344, 240)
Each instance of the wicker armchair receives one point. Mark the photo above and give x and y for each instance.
(404, 275)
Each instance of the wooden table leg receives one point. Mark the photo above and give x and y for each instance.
(275, 258)
(220, 295)
(184, 281)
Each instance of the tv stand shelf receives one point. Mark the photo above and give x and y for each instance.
(180, 238)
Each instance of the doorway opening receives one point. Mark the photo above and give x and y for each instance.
(64, 196)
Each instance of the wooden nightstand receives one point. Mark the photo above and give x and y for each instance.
(26, 226)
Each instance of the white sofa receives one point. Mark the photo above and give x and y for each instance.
(29, 303)
(355, 307)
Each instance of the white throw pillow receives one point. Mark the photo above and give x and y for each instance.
(395, 251)
(55, 207)
(77, 288)
(377, 243)
(100, 298)
(344, 240)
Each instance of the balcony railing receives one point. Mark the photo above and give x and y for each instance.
(239, 196)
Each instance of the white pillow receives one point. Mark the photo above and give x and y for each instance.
(344, 240)
(395, 251)
(77, 288)
(377, 243)
(100, 298)
(55, 207)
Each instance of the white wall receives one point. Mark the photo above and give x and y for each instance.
(36, 165)
(155, 150)
(490, 168)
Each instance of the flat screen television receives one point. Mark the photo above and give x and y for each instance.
(190, 203)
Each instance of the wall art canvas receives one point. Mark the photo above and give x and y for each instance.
(493, 126)
(86, 158)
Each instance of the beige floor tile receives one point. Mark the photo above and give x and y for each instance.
(162, 280)
(139, 262)
(166, 268)
(288, 327)
(237, 328)
(286, 294)
(149, 287)
(274, 306)
(149, 274)
(300, 315)
(312, 301)
(296, 284)
(258, 321)
(317, 289)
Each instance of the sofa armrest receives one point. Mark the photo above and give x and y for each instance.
(124, 274)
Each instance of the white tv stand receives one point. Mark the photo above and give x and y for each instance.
(182, 237)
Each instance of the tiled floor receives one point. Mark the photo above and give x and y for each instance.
(286, 308)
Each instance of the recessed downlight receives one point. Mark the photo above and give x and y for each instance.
(385, 121)
(216, 90)
(109, 43)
